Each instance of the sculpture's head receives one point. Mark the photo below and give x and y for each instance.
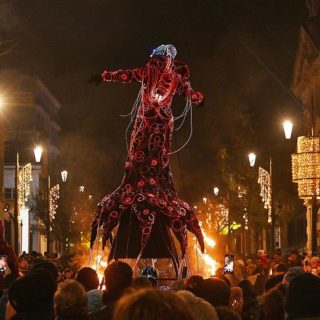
(165, 50)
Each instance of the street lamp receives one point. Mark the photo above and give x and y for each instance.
(215, 191)
(252, 159)
(64, 175)
(265, 181)
(38, 153)
(287, 128)
(23, 178)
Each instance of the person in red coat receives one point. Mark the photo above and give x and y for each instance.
(9, 271)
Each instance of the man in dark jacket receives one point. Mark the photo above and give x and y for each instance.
(118, 277)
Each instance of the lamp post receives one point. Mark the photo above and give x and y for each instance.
(265, 180)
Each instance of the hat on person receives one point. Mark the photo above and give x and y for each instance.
(33, 292)
(303, 296)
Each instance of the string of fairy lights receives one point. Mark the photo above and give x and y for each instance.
(54, 195)
(306, 166)
(264, 180)
(24, 179)
(242, 194)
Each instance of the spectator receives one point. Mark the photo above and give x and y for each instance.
(273, 308)
(273, 282)
(67, 274)
(50, 267)
(303, 296)
(23, 266)
(199, 308)
(280, 268)
(7, 277)
(251, 309)
(142, 282)
(118, 277)
(70, 301)
(236, 299)
(88, 277)
(152, 304)
(31, 297)
(278, 258)
(257, 279)
(213, 290)
(291, 274)
(294, 259)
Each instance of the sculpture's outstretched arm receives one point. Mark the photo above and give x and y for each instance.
(124, 76)
(185, 88)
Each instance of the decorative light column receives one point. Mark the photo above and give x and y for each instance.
(306, 173)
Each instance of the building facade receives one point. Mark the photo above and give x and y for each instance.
(28, 118)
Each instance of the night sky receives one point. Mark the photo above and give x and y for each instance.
(241, 55)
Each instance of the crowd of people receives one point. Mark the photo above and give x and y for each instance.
(262, 288)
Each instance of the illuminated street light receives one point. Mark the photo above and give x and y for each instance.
(215, 191)
(81, 188)
(204, 200)
(287, 127)
(38, 153)
(252, 159)
(64, 175)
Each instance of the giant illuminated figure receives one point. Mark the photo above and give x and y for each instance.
(146, 204)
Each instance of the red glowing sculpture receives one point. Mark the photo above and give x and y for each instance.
(146, 204)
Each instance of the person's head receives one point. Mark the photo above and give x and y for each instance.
(118, 277)
(251, 269)
(32, 294)
(303, 296)
(214, 290)
(200, 308)
(67, 273)
(151, 304)
(291, 274)
(193, 282)
(23, 265)
(50, 267)
(294, 258)
(142, 282)
(70, 301)
(280, 268)
(88, 277)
